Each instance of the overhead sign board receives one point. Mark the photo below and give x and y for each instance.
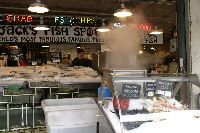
(152, 38)
(16, 18)
(56, 34)
(73, 20)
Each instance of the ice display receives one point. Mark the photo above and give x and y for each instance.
(159, 114)
(17, 75)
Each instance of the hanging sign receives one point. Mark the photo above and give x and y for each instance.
(16, 18)
(152, 38)
(131, 91)
(19, 18)
(56, 34)
(73, 20)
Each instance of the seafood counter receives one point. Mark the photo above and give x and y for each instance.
(146, 103)
(17, 75)
(156, 115)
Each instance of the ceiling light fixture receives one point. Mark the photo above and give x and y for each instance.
(38, 7)
(103, 28)
(122, 12)
(41, 26)
(156, 31)
(45, 46)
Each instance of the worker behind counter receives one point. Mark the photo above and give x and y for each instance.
(80, 60)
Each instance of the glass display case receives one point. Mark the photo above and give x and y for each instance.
(143, 102)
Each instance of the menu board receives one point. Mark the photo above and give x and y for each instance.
(150, 89)
(56, 57)
(131, 91)
(16, 54)
(164, 87)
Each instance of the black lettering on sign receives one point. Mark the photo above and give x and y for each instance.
(76, 31)
(64, 30)
(10, 30)
(82, 30)
(164, 85)
(131, 91)
(2, 30)
(151, 38)
(19, 30)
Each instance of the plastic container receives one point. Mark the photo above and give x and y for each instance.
(106, 92)
(70, 111)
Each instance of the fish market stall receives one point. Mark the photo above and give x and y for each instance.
(146, 103)
(23, 88)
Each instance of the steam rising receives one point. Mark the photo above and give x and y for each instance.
(126, 45)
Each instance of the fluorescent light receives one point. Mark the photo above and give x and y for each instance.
(78, 47)
(41, 27)
(103, 28)
(122, 12)
(156, 32)
(38, 7)
(45, 46)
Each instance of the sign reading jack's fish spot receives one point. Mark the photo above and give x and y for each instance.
(131, 91)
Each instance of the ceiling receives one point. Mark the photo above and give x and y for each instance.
(160, 13)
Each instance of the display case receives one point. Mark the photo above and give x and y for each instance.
(23, 88)
(143, 102)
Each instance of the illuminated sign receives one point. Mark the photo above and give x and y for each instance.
(72, 20)
(141, 26)
(19, 18)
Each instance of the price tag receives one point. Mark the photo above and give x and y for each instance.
(160, 92)
(150, 88)
(150, 94)
(168, 93)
